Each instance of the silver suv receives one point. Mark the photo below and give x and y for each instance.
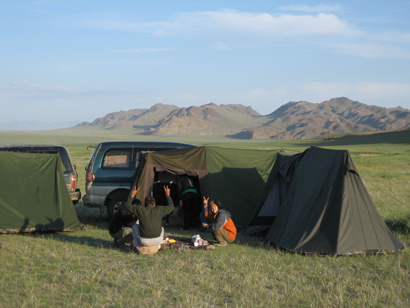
(70, 173)
(111, 168)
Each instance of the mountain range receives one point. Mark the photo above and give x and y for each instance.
(294, 120)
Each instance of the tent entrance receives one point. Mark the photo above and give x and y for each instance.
(274, 200)
(169, 176)
(271, 205)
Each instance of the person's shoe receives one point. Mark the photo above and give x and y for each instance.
(222, 244)
(135, 250)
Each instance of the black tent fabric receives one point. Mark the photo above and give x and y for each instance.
(275, 190)
(322, 206)
(236, 177)
(33, 194)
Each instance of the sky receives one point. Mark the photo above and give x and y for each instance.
(79, 60)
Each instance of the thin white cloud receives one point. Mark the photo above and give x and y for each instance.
(258, 92)
(228, 29)
(386, 44)
(222, 45)
(146, 50)
(153, 28)
(384, 90)
(317, 26)
(365, 90)
(233, 22)
(28, 90)
(389, 36)
(310, 9)
(226, 23)
(374, 50)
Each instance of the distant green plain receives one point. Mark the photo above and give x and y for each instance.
(81, 269)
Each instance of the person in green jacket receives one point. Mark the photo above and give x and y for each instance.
(148, 230)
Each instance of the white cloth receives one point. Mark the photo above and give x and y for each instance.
(140, 241)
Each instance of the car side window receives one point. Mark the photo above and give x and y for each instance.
(118, 158)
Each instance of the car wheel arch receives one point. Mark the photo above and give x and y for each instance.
(114, 199)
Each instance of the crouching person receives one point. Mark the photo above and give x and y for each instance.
(223, 229)
(148, 231)
(121, 224)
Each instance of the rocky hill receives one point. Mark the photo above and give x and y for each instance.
(133, 119)
(294, 120)
(209, 119)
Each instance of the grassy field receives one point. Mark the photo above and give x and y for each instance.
(82, 269)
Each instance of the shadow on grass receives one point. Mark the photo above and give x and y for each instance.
(401, 225)
(70, 237)
(92, 216)
(84, 238)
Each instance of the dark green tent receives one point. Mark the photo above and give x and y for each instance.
(321, 206)
(33, 194)
(236, 177)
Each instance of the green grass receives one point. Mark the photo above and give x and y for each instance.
(81, 269)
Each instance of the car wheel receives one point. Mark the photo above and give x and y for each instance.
(115, 203)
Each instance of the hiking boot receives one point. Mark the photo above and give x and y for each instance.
(135, 250)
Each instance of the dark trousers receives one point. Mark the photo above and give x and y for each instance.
(189, 210)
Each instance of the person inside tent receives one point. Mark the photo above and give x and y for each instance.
(187, 199)
(222, 227)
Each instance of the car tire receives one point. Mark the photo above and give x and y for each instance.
(115, 204)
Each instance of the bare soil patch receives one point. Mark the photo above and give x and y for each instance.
(369, 154)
